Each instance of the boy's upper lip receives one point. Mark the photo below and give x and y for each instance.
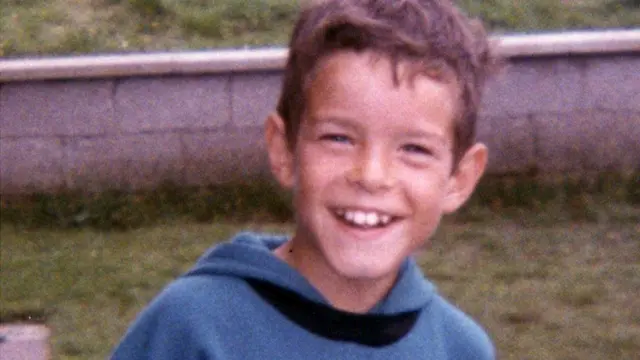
(370, 208)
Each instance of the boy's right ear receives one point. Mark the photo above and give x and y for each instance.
(280, 157)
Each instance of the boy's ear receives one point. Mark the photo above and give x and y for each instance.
(465, 177)
(280, 157)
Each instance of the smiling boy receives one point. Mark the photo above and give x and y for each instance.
(374, 137)
(371, 173)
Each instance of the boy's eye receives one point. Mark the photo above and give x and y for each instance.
(416, 149)
(338, 138)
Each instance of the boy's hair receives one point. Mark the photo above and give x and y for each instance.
(432, 36)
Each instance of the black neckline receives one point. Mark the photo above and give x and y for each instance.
(375, 330)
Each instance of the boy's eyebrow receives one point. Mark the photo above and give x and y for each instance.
(422, 134)
(342, 121)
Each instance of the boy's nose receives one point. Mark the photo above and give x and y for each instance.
(371, 171)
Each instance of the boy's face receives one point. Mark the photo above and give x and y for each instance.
(372, 167)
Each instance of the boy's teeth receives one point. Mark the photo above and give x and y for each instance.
(360, 218)
(372, 219)
(350, 216)
(363, 218)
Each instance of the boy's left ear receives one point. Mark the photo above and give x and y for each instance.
(465, 177)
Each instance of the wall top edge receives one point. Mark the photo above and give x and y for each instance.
(273, 59)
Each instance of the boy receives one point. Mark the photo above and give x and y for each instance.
(373, 134)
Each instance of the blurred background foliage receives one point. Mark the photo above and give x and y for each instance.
(57, 27)
(603, 198)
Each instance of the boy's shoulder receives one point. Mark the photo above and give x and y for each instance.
(191, 315)
(201, 296)
(463, 336)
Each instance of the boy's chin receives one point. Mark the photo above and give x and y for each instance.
(367, 271)
(366, 263)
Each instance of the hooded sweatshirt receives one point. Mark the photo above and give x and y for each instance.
(240, 301)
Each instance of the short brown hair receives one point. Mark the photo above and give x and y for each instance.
(432, 35)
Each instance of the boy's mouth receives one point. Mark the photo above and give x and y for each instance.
(365, 219)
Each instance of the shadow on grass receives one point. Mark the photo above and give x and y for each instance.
(611, 197)
(584, 198)
(122, 210)
(35, 315)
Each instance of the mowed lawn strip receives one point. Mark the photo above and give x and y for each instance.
(544, 291)
(48, 27)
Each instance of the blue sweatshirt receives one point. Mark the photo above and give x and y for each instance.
(240, 302)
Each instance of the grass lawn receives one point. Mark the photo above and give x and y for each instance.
(44, 27)
(544, 290)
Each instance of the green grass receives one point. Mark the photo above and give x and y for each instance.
(42, 27)
(550, 268)
(555, 291)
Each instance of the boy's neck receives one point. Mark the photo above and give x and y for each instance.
(352, 295)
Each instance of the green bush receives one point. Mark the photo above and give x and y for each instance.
(148, 8)
(606, 196)
(122, 210)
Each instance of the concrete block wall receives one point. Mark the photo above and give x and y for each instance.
(564, 113)
(84, 125)
(133, 132)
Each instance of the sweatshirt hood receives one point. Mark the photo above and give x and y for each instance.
(249, 256)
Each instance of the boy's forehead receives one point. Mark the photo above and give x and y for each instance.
(347, 81)
(401, 73)
(346, 67)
